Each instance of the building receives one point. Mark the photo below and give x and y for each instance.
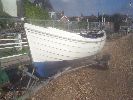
(13, 7)
(64, 19)
(1, 8)
(75, 18)
(53, 15)
(91, 18)
(56, 15)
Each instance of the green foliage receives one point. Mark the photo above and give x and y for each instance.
(13, 51)
(4, 20)
(83, 25)
(32, 11)
(117, 20)
(3, 77)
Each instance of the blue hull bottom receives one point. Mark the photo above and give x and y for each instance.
(48, 69)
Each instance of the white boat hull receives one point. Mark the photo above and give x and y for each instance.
(50, 44)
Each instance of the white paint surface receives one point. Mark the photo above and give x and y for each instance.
(10, 7)
(51, 44)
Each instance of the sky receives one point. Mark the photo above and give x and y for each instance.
(89, 7)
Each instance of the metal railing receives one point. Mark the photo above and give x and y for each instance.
(72, 25)
(8, 43)
(13, 50)
(13, 39)
(13, 42)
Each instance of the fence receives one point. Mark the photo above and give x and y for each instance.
(13, 50)
(13, 42)
(13, 39)
(72, 25)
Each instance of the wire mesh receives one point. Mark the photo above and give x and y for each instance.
(119, 45)
(13, 38)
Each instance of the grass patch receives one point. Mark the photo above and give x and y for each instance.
(13, 51)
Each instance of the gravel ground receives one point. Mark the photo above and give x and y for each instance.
(115, 83)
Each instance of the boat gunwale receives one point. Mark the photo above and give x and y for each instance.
(39, 31)
(62, 43)
(71, 39)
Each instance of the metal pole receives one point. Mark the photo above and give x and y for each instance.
(30, 78)
(53, 23)
(68, 25)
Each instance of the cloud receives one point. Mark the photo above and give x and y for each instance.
(66, 1)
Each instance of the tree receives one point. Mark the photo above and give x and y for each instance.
(32, 11)
(4, 20)
(4, 17)
(83, 25)
(117, 20)
(107, 17)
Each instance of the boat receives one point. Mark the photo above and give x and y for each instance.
(52, 44)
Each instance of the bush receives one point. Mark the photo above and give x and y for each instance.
(32, 11)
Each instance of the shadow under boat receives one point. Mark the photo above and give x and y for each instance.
(50, 68)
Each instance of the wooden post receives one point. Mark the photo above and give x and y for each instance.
(19, 40)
